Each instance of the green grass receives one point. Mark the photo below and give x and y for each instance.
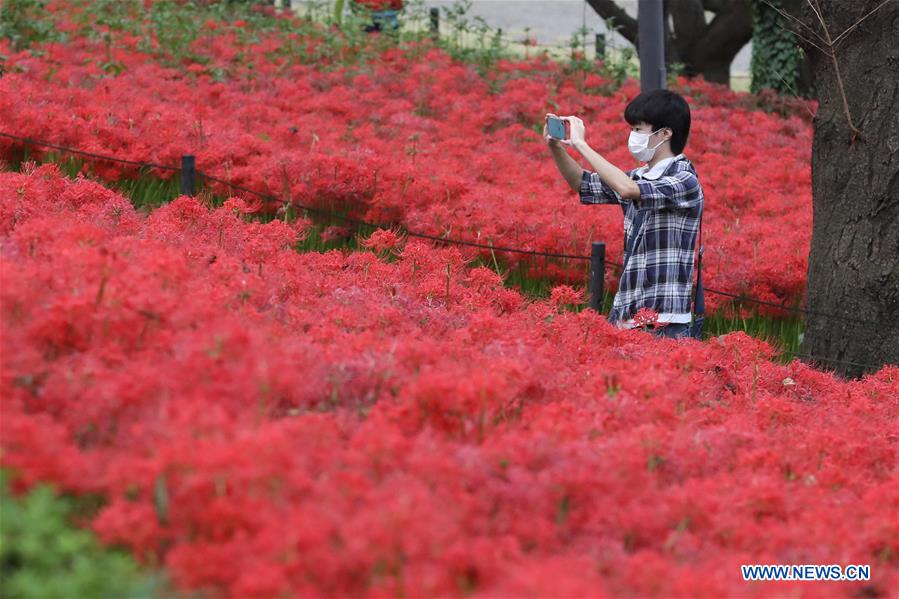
(145, 191)
(148, 192)
(785, 334)
(44, 552)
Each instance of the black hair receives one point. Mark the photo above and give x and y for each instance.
(662, 108)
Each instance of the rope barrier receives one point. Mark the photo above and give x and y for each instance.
(832, 360)
(795, 310)
(270, 197)
(37, 142)
(407, 231)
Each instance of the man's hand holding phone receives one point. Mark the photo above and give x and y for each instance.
(557, 140)
(554, 130)
(576, 130)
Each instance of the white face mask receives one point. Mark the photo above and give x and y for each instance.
(638, 144)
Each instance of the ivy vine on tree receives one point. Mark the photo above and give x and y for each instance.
(776, 58)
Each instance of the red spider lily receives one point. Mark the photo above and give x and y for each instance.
(645, 317)
(338, 425)
(436, 150)
(262, 422)
(564, 295)
(383, 240)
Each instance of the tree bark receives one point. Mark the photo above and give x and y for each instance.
(705, 49)
(712, 53)
(622, 22)
(854, 259)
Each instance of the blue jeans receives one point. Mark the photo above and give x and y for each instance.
(672, 330)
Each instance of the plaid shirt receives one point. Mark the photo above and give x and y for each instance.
(659, 274)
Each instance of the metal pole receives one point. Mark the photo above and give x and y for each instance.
(597, 274)
(188, 175)
(651, 23)
(435, 23)
(600, 45)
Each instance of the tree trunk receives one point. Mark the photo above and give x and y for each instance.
(711, 52)
(703, 48)
(854, 260)
(805, 79)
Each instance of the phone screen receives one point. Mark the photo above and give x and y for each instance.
(555, 127)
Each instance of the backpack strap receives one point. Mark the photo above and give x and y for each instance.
(700, 295)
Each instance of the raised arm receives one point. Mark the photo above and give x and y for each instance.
(570, 169)
(614, 177)
(593, 190)
(680, 190)
(568, 166)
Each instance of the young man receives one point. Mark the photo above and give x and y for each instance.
(662, 202)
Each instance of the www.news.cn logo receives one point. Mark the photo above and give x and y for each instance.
(805, 572)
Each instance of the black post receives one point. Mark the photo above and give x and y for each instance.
(651, 34)
(188, 175)
(597, 274)
(600, 45)
(435, 23)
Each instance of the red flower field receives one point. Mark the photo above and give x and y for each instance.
(262, 421)
(257, 421)
(416, 139)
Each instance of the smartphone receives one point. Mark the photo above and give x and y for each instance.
(555, 127)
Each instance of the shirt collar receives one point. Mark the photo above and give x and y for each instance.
(656, 171)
